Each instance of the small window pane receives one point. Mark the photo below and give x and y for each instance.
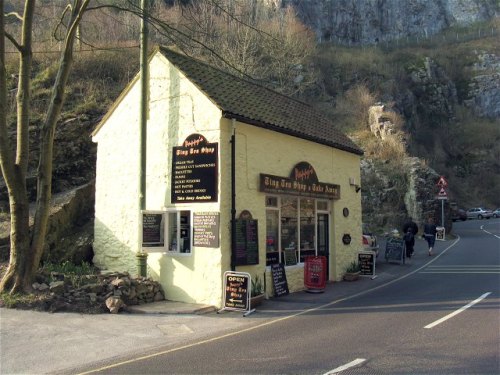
(172, 231)
(322, 206)
(272, 227)
(271, 202)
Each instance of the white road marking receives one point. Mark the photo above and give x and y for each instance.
(462, 269)
(439, 321)
(356, 362)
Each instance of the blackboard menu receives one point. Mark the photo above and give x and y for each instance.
(194, 171)
(366, 263)
(279, 280)
(247, 246)
(394, 250)
(153, 229)
(290, 257)
(236, 290)
(206, 229)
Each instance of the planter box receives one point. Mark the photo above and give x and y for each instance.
(351, 276)
(256, 301)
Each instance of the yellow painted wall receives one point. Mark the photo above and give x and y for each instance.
(263, 151)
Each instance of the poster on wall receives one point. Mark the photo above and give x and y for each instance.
(206, 229)
(153, 230)
(195, 171)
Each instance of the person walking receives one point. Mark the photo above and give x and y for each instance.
(430, 234)
(410, 230)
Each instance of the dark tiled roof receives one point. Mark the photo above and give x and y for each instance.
(251, 103)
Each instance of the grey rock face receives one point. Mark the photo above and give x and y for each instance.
(372, 21)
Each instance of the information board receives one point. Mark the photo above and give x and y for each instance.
(194, 171)
(236, 291)
(153, 230)
(247, 246)
(206, 229)
(395, 250)
(315, 273)
(279, 280)
(366, 263)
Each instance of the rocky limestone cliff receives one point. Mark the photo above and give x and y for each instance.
(373, 21)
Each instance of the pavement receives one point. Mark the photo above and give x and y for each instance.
(40, 343)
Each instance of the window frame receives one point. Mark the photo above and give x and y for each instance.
(168, 241)
(277, 207)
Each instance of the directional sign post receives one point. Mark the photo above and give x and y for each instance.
(442, 195)
(237, 292)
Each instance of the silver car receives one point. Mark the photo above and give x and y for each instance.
(479, 213)
(496, 213)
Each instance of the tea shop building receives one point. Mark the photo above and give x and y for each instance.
(238, 177)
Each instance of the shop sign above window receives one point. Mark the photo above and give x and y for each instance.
(195, 171)
(303, 181)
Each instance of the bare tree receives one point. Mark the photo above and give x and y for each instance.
(227, 31)
(26, 248)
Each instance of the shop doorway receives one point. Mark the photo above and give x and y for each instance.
(323, 240)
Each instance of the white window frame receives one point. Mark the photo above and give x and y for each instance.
(168, 241)
(278, 208)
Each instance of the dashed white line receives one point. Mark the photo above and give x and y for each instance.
(439, 321)
(356, 362)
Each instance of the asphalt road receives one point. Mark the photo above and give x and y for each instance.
(443, 318)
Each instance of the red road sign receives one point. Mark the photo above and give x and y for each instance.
(442, 193)
(442, 182)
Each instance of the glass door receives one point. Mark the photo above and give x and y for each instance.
(323, 240)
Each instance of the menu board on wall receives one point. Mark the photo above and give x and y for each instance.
(153, 230)
(206, 229)
(195, 171)
(247, 242)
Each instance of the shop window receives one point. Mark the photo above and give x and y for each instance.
(291, 227)
(307, 228)
(179, 231)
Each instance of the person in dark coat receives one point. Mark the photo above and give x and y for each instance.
(430, 234)
(410, 230)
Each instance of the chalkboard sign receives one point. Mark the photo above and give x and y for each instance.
(395, 250)
(290, 257)
(279, 280)
(153, 227)
(236, 291)
(366, 263)
(247, 246)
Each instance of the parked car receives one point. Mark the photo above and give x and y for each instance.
(458, 214)
(496, 213)
(479, 213)
(370, 240)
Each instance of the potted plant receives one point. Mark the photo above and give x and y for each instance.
(352, 271)
(257, 292)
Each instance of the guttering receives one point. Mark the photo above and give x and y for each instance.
(233, 194)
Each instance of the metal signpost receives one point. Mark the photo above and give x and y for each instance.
(442, 195)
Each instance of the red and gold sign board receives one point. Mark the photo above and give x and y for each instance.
(315, 273)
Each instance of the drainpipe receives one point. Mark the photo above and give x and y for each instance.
(233, 195)
(143, 118)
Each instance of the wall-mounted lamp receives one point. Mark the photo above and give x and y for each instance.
(352, 182)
